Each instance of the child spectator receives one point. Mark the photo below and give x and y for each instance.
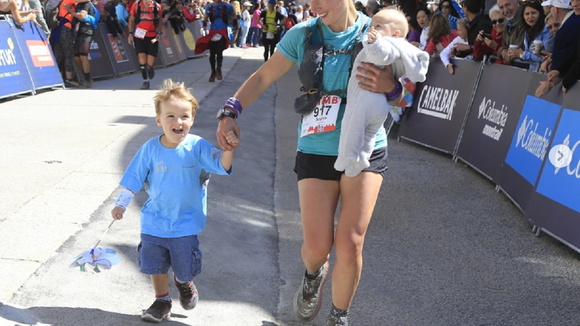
(451, 49)
(440, 34)
(176, 165)
(384, 44)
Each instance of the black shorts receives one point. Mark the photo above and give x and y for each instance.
(322, 166)
(82, 44)
(145, 46)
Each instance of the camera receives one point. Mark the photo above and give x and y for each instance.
(486, 35)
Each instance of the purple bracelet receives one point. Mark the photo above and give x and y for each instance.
(396, 92)
(234, 104)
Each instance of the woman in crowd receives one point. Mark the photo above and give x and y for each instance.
(236, 21)
(256, 27)
(299, 14)
(247, 21)
(490, 44)
(446, 7)
(532, 21)
(440, 34)
(320, 186)
(423, 16)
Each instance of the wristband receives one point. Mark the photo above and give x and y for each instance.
(396, 92)
(159, 32)
(125, 198)
(234, 104)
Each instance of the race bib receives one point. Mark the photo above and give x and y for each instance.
(140, 33)
(216, 37)
(270, 36)
(323, 117)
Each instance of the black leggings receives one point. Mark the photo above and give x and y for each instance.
(216, 49)
(269, 45)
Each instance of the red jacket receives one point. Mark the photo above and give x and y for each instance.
(480, 48)
(202, 43)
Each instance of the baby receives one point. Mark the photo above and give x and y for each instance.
(365, 113)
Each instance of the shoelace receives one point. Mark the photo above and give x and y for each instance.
(186, 290)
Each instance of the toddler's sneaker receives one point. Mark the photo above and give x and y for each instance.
(308, 298)
(159, 310)
(188, 295)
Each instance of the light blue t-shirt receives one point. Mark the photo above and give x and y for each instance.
(217, 22)
(335, 77)
(178, 179)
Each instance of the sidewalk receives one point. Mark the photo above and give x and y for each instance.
(443, 247)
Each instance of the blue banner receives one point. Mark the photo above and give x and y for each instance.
(560, 180)
(14, 76)
(38, 56)
(529, 145)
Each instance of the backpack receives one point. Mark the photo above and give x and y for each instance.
(52, 19)
(288, 23)
(224, 17)
(93, 19)
(155, 13)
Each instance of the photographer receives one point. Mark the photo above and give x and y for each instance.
(490, 44)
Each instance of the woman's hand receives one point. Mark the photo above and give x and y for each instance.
(374, 79)
(225, 126)
(491, 43)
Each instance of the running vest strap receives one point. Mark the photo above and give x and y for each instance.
(224, 13)
(140, 10)
(311, 68)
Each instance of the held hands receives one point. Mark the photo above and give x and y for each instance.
(373, 35)
(226, 126)
(232, 139)
(117, 213)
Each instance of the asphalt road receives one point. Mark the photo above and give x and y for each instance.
(443, 248)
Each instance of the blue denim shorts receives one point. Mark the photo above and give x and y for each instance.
(182, 254)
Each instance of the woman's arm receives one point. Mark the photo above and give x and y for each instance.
(249, 92)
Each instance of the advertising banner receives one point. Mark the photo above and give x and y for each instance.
(529, 143)
(38, 56)
(440, 105)
(99, 57)
(187, 39)
(169, 48)
(555, 205)
(493, 118)
(119, 51)
(14, 76)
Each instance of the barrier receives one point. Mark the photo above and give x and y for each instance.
(169, 48)
(441, 104)
(119, 51)
(492, 120)
(101, 64)
(188, 38)
(14, 74)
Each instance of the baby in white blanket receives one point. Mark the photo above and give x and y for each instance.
(384, 44)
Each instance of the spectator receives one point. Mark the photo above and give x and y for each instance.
(122, 13)
(359, 6)
(271, 19)
(189, 13)
(552, 25)
(565, 44)
(62, 42)
(35, 6)
(452, 49)
(256, 27)
(513, 33)
(306, 14)
(299, 14)
(236, 21)
(446, 7)
(485, 45)
(85, 22)
(110, 16)
(532, 21)
(478, 21)
(372, 8)
(414, 36)
(547, 6)
(177, 18)
(423, 16)
(282, 10)
(440, 34)
(20, 17)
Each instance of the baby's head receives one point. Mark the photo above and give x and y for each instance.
(390, 21)
(175, 108)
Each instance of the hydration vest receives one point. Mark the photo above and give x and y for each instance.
(155, 13)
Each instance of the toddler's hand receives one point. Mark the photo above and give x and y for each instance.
(373, 35)
(117, 213)
(232, 139)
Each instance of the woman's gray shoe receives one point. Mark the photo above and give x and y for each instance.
(308, 298)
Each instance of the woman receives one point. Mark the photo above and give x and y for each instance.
(236, 21)
(270, 19)
(440, 34)
(446, 7)
(20, 17)
(299, 14)
(490, 45)
(423, 16)
(256, 27)
(532, 21)
(320, 186)
(247, 20)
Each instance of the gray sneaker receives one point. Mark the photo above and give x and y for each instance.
(334, 320)
(85, 84)
(308, 298)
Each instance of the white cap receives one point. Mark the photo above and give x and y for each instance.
(562, 4)
(247, 4)
(547, 3)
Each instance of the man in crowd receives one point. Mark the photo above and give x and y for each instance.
(513, 33)
(478, 21)
(86, 18)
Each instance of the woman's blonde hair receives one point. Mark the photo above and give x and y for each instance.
(236, 5)
(174, 91)
(463, 22)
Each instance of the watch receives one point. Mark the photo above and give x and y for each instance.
(225, 113)
(159, 32)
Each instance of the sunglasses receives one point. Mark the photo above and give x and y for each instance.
(556, 25)
(445, 6)
(501, 20)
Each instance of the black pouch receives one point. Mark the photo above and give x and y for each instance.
(310, 74)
